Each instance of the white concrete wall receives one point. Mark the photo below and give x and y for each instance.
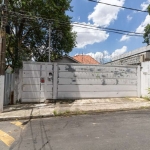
(2, 78)
(145, 78)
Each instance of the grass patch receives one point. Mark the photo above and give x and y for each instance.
(146, 98)
(55, 112)
(69, 113)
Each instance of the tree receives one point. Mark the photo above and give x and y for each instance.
(147, 31)
(29, 26)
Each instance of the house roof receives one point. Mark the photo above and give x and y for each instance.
(66, 59)
(71, 58)
(85, 59)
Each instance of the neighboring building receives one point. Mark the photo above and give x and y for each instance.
(67, 59)
(135, 57)
(85, 59)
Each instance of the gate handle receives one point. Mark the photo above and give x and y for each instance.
(50, 76)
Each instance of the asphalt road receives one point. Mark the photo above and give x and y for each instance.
(126, 130)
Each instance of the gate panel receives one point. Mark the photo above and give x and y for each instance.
(8, 88)
(31, 82)
(47, 86)
(37, 82)
(77, 81)
(43, 81)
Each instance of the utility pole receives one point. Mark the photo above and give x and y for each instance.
(3, 9)
(3, 36)
(50, 42)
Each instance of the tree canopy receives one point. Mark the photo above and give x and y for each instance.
(147, 30)
(29, 22)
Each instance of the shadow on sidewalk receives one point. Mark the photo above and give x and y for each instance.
(18, 107)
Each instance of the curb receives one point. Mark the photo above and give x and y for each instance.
(72, 113)
(25, 118)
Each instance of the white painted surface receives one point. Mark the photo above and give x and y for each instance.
(20, 84)
(95, 75)
(96, 88)
(55, 81)
(9, 88)
(2, 78)
(145, 78)
(71, 81)
(32, 88)
(68, 81)
(80, 95)
(31, 67)
(97, 81)
(96, 68)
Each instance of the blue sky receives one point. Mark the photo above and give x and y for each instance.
(106, 44)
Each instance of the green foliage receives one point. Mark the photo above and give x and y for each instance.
(147, 30)
(148, 9)
(55, 112)
(146, 33)
(148, 90)
(147, 97)
(29, 36)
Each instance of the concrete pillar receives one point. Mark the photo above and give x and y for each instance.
(2, 79)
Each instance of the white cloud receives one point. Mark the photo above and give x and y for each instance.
(124, 38)
(141, 27)
(87, 36)
(97, 56)
(118, 52)
(103, 15)
(105, 56)
(144, 5)
(129, 18)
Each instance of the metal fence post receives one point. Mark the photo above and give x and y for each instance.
(139, 81)
(55, 81)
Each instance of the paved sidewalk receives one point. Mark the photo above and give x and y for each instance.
(29, 111)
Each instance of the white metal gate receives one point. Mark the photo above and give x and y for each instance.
(37, 82)
(43, 81)
(8, 88)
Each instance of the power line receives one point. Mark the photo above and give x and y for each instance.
(118, 6)
(124, 32)
(99, 29)
(110, 31)
(109, 28)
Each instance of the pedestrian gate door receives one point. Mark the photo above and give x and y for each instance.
(37, 82)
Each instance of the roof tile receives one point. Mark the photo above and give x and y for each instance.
(85, 59)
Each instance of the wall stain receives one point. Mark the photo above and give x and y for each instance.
(69, 68)
(103, 82)
(117, 81)
(121, 74)
(128, 70)
(91, 69)
(103, 76)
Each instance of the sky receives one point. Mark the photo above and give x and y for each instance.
(97, 43)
